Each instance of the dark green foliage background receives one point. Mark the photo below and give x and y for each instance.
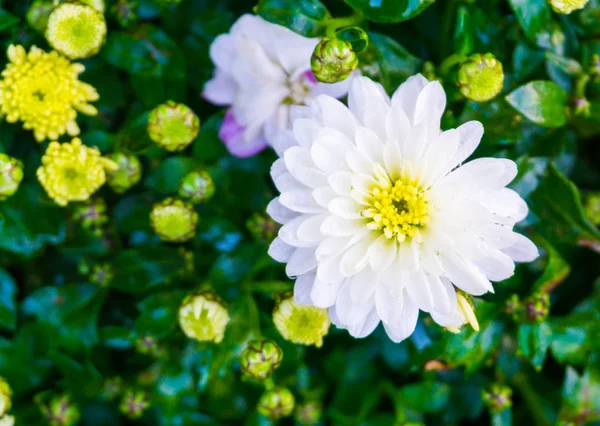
(60, 333)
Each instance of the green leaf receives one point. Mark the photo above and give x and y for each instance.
(149, 52)
(116, 337)
(571, 342)
(535, 18)
(167, 177)
(424, 397)
(557, 204)
(388, 62)
(208, 147)
(534, 341)
(503, 418)
(542, 102)
(7, 19)
(356, 36)
(389, 11)
(8, 301)
(306, 17)
(23, 232)
(158, 314)
(141, 269)
(581, 397)
(463, 33)
(557, 269)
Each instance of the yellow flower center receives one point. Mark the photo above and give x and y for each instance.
(399, 208)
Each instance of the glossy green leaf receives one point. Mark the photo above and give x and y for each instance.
(7, 19)
(535, 18)
(306, 17)
(158, 314)
(356, 36)
(8, 301)
(542, 102)
(388, 11)
(534, 341)
(463, 34)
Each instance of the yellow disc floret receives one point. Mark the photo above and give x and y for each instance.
(398, 208)
(72, 171)
(76, 30)
(567, 6)
(304, 325)
(44, 92)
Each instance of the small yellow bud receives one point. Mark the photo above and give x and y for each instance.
(276, 403)
(174, 220)
(5, 397)
(567, 6)
(203, 316)
(43, 91)
(261, 358)
(61, 411)
(173, 126)
(127, 174)
(304, 325)
(197, 187)
(134, 403)
(481, 77)
(76, 30)
(11, 175)
(333, 60)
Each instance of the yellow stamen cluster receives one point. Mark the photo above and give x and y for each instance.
(44, 92)
(72, 171)
(398, 208)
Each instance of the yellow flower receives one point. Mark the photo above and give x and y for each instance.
(72, 171)
(305, 325)
(76, 30)
(5, 396)
(567, 6)
(44, 92)
(203, 316)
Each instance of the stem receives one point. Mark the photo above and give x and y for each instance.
(446, 27)
(451, 61)
(335, 23)
(581, 85)
(534, 404)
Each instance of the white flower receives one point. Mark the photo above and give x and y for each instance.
(381, 220)
(7, 421)
(262, 69)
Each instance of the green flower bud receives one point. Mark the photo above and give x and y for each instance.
(581, 107)
(5, 396)
(594, 67)
(11, 175)
(304, 325)
(203, 316)
(61, 411)
(148, 345)
(134, 403)
(262, 227)
(125, 12)
(481, 77)
(7, 421)
(537, 307)
(112, 388)
(174, 220)
(173, 126)
(127, 173)
(276, 403)
(567, 6)
(592, 207)
(333, 60)
(497, 398)
(92, 214)
(102, 274)
(309, 413)
(261, 358)
(76, 30)
(513, 307)
(38, 14)
(197, 187)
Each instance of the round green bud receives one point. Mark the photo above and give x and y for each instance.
(11, 175)
(5, 396)
(147, 345)
(300, 324)
(537, 307)
(38, 14)
(173, 126)
(61, 411)
(581, 107)
(513, 307)
(497, 398)
(92, 214)
(203, 316)
(125, 11)
(566, 7)
(481, 77)
(76, 30)
(174, 220)
(134, 403)
(261, 358)
(102, 274)
(333, 60)
(309, 413)
(262, 227)
(127, 173)
(276, 403)
(7, 420)
(592, 207)
(112, 388)
(197, 187)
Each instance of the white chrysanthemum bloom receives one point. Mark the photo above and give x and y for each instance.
(381, 220)
(262, 69)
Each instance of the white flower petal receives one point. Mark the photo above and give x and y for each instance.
(369, 144)
(470, 137)
(523, 250)
(345, 207)
(303, 260)
(496, 266)
(362, 285)
(341, 183)
(300, 201)
(492, 173)
(310, 229)
(323, 294)
(280, 213)
(280, 251)
(355, 258)
(335, 115)
(407, 94)
(382, 253)
(420, 291)
(430, 107)
(465, 276)
(303, 288)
